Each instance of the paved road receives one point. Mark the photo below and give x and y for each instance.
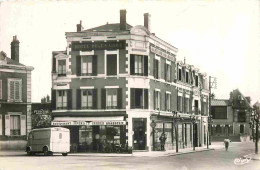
(215, 159)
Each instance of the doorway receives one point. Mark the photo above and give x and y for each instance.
(139, 138)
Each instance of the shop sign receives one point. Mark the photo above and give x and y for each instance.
(88, 46)
(41, 112)
(82, 123)
(107, 123)
(163, 54)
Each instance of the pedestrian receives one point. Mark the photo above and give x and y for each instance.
(163, 139)
(226, 143)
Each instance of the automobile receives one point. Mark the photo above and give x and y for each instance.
(48, 141)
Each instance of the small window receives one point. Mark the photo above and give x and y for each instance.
(61, 67)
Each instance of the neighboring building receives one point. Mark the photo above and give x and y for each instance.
(41, 114)
(114, 80)
(231, 117)
(15, 99)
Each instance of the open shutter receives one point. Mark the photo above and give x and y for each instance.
(23, 124)
(103, 98)
(165, 71)
(69, 99)
(94, 67)
(78, 65)
(53, 64)
(132, 97)
(53, 99)
(7, 125)
(78, 99)
(146, 99)
(132, 64)
(119, 98)
(95, 99)
(145, 65)
(1, 124)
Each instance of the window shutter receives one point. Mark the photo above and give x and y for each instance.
(94, 67)
(160, 101)
(69, 99)
(165, 101)
(53, 64)
(95, 98)
(146, 99)
(103, 98)
(154, 68)
(145, 65)
(78, 65)
(154, 100)
(53, 99)
(119, 98)
(132, 104)
(78, 99)
(7, 125)
(1, 124)
(17, 90)
(165, 71)
(23, 124)
(132, 64)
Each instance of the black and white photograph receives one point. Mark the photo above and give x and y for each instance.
(129, 84)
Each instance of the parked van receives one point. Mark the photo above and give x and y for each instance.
(49, 141)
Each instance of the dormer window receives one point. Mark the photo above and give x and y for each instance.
(62, 67)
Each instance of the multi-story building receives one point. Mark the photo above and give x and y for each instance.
(114, 80)
(231, 117)
(15, 99)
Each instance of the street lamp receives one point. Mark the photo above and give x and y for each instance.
(210, 121)
(175, 122)
(193, 119)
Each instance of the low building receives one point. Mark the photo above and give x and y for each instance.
(231, 117)
(15, 99)
(115, 81)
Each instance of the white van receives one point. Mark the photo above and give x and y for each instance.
(48, 141)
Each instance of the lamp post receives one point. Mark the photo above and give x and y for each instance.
(209, 125)
(193, 119)
(175, 122)
(255, 115)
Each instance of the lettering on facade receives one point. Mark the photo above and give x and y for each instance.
(40, 112)
(82, 123)
(163, 54)
(88, 46)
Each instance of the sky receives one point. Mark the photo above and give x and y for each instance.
(220, 38)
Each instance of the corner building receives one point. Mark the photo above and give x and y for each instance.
(114, 80)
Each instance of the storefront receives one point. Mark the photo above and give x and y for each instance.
(95, 135)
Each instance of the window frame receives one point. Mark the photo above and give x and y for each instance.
(157, 100)
(179, 74)
(168, 72)
(20, 126)
(62, 73)
(19, 80)
(168, 101)
(158, 69)
(87, 57)
(112, 106)
(87, 98)
(63, 101)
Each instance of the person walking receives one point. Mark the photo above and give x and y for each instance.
(226, 143)
(163, 139)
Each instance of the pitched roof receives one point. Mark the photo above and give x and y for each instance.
(219, 102)
(108, 27)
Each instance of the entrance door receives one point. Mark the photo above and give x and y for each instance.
(195, 135)
(139, 134)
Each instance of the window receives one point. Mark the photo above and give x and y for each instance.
(167, 72)
(139, 65)
(15, 90)
(196, 109)
(219, 112)
(218, 129)
(112, 64)
(179, 74)
(111, 98)
(156, 69)
(139, 98)
(15, 126)
(62, 99)
(186, 105)
(87, 99)
(242, 129)
(196, 81)
(168, 101)
(61, 67)
(157, 97)
(179, 103)
(187, 77)
(241, 116)
(1, 90)
(86, 65)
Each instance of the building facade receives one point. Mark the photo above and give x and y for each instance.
(114, 80)
(15, 99)
(231, 117)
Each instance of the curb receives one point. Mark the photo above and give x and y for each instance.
(182, 153)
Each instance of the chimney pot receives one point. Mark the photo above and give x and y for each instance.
(123, 19)
(147, 22)
(79, 26)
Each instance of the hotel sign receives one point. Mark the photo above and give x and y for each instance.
(163, 54)
(82, 123)
(88, 46)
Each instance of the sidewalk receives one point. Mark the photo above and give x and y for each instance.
(134, 154)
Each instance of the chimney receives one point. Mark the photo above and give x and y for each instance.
(147, 22)
(123, 19)
(15, 49)
(79, 27)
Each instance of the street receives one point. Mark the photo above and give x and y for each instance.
(213, 159)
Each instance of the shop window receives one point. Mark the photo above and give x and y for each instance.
(179, 103)
(139, 98)
(111, 65)
(86, 65)
(156, 69)
(111, 98)
(87, 99)
(61, 99)
(15, 126)
(157, 97)
(61, 67)
(187, 77)
(15, 90)
(168, 101)
(179, 74)
(167, 72)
